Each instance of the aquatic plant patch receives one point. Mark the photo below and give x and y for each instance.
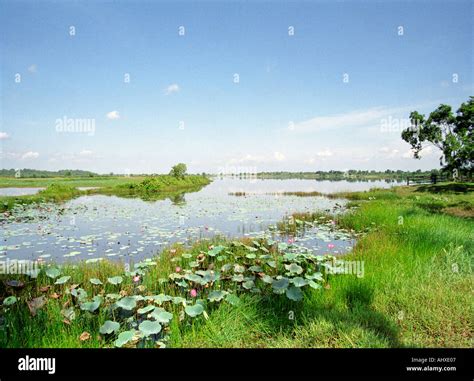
(199, 281)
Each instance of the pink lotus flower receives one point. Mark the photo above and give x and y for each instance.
(193, 293)
(136, 278)
(333, 222)
(291, 240)
(178, 269)
(331, 246)
(172, 251)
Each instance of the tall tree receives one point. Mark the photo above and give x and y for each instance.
(178, 170)
(452, 134)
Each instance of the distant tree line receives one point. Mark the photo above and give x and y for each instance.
(35, 173)
(349, 174)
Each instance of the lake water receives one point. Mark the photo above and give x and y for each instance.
(19, 191)
(29, 191)
(129, 229)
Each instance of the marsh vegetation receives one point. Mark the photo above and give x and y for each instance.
(269, 290)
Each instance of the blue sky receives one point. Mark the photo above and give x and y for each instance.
(290, 110)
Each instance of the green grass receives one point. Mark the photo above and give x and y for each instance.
(53, 193)
(416, 290)
(63, 189)
(155, 187)
(96, 181)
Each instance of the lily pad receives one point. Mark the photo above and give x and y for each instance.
(193, 278)
(226, 267)
(79, 293)
(149, 327)
(109, 327)
(239, 268)
(299, 282)
(238, 278)
(161, 298)
(294, 268)
(115, 280)
(216, 250)
(315, 276)
(294, 293)
(62, 280)
(232, 299)
(127, 303)
(145, 310)
(95, 281)
(194, 310)
(314, 285)
(162, 316)
(272, 264)
(53, 272)
(255, 269)
(216, 296)
(179, 300)
(90, 306)
(280, 285)
(124, 338)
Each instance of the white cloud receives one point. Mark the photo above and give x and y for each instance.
(248, 158)
(32, 68)
(325, 153)
(85, 153)
(388, 152)
(30, 155)
(173, 88)
(279, 156)
(113, 115)
(426, 151)
(84, 156)
(360, 118)
(258, 159)
(320, 156)
(4, 136)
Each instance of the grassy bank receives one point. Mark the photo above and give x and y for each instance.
(53, 193)
(96, 181)
(416, 289)
(155, 187)
(63, 189)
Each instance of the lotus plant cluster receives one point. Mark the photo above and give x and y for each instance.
(196, 284)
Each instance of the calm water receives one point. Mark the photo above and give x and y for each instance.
(18, 191)
(96, 227)
(29, 191)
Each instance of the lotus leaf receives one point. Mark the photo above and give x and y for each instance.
(109, 327)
